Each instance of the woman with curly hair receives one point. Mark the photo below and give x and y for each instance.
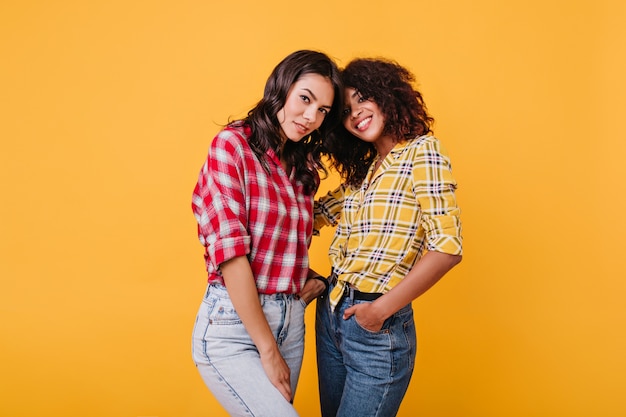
(253, 203)
(398, 232)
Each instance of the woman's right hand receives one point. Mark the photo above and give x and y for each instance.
(277, 371)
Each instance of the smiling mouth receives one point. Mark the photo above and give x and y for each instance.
(363, 123)
(301, 128)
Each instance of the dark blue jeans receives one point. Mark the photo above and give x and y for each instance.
(363, 373)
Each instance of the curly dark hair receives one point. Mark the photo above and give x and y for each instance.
(390, 86)
(305, 155)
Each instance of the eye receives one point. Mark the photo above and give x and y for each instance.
(324, 111)
(306, 99)
(345, 112)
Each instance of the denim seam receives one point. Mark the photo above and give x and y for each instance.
(231, 390)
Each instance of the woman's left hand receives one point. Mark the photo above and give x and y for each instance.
(366, 316)
(312, 289)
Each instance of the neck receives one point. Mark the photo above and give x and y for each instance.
(384, 145)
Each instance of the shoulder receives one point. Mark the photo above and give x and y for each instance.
(232, 139)
(424, 142)
(427, 145)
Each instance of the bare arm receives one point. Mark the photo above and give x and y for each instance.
(426, 273)
(244, 295)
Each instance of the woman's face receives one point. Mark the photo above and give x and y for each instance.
(308, 102)
(362, 117)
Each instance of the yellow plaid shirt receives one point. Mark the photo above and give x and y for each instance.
(405, 208)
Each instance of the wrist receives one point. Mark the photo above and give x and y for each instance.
(268, 349)
(380, 309)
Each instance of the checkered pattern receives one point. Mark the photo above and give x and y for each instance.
(406, 208)
(241, 210)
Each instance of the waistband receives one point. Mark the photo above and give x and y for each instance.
(351, 292)
(220, 290)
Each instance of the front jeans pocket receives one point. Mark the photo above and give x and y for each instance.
(221, 311)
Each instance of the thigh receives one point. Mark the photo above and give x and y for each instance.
(379, 365)
(330, 367)
(241, 386)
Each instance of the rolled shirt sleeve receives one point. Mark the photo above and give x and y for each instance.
(327, 209)
(219, 205)
(435, 187)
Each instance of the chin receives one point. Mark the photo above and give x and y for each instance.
(364, 138)
(296, 139)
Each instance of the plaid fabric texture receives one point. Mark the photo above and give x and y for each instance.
(404, 209)
(241, 210)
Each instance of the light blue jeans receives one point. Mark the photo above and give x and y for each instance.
(363, 373)
(229, 361)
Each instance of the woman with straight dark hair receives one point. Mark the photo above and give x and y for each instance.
(398, 232)
(254, 207)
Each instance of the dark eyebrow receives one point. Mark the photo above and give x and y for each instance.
(315, 98)
(311, 93)
(356, 93)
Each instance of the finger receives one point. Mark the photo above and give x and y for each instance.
(349, 312)
(285, 390)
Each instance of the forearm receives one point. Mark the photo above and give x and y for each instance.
(426, 273)
(243, 293)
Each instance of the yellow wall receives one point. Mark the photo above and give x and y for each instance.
(106, 112)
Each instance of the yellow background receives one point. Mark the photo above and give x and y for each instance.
(106, 112)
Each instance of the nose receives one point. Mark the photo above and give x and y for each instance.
(310, 113)
(355, 112)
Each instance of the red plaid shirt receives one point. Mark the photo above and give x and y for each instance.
(241, 210)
